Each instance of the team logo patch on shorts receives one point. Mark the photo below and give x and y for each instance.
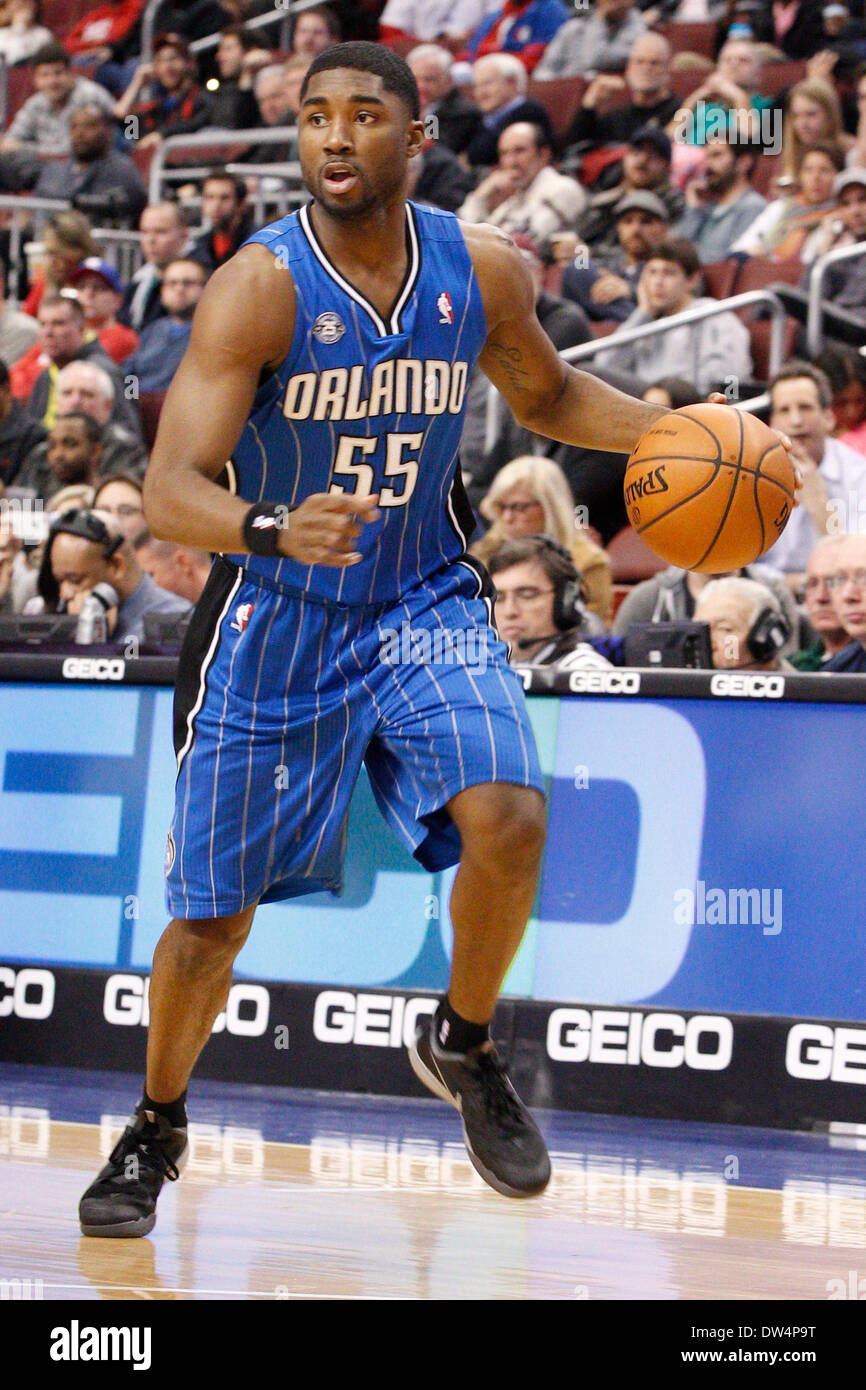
(243, 613)
(328, 327)
(169, 853)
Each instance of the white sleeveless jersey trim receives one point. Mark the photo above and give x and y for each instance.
(393, 326)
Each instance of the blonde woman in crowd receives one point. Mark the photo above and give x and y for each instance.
(813, 112)
(529, 497)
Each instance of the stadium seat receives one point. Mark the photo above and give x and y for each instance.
(602, 327)
(759, 271)
(759, 333)
(631, 558)
(720, 278)
(690, 37)
(767, 169)
(19, 88)
(149, 407)
(60, 15)
(552, 282)
(560, 99)
(684, 81)
(776, 77)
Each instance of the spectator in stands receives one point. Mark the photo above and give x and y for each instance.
(66, 242)
(601, 41)
(797, 27)
(606, 287)
(179, 569)
(86, 387)
(532, 576)
(40, 129)
(275, 87)
(100, 292)
(20, 434)
(846, 224)
(13, 570)
(232, 102)
(672, 596)
(18, 331)
(456, 117)
(315, 30)
(224, 209)
(647, 81)
(646, 167)
(843, 297)
(829, 636)
(21, 40)
(721, 204)
(120, 496)
(521, 27)
(96, 34)
(163, 97)
(499, 89)
(437, 177)
(727, 101)
(449, 22)
(63, 340)
(71, 456)
(857, 152)
(164, 342)
(530, 496)
(848, 586)
(673, 392)
(813, 113)
(718, 346)
(834, 476)
(782, 229)
(95, 177)
(87, 548)
(732, 607)
(164, 237)
(524, 193)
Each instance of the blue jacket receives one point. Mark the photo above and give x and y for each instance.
(537, 24)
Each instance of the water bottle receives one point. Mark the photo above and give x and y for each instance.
(92, 629)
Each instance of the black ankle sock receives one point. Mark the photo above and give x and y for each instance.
(174, 1110)
(456, 1034)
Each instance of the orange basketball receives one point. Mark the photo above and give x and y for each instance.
(709, 488)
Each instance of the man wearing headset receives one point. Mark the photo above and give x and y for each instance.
(748, 629)
(85, 549)
(540, 611)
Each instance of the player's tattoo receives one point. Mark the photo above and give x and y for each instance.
(510, 360)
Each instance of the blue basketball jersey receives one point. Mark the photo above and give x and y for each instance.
(364, 405)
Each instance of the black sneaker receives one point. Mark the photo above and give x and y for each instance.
(122, 1200)
(504, 1143)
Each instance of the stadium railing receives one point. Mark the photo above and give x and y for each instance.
(815, 315)
(216, 140)
(282, 15)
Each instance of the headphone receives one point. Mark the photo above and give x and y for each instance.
(82, 523)
(768, 634)
(569, 597)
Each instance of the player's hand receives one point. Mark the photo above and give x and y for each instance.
(324, 528)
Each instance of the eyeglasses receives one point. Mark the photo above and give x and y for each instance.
(816, 581)
(527, 595)
(517, 507)
(838, 581)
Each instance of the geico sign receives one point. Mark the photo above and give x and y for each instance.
(94, 668)
(757, 687)
(372, 1020)
(604, 682)
(17, 985)
(632, 1039)
(126, 1002)
(817, 1052)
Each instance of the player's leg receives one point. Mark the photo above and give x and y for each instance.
(192, 972)
(502, 837)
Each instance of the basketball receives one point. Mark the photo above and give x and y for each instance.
(709, 488)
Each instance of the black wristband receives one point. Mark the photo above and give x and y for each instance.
(262, 525)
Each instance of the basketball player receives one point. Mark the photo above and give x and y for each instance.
(329, 358)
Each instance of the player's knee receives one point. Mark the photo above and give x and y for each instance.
(214, 941)
(508, 832)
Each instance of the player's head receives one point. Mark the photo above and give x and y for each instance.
(358, 127)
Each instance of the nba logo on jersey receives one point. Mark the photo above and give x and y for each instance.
(242, 616)
(443, 304)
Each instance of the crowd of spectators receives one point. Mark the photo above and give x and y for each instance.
(639, 178)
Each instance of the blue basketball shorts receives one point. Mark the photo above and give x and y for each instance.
(280, 698)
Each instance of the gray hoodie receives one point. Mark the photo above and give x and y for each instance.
(707, 352)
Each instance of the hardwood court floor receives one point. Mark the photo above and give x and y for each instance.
(376, 1199)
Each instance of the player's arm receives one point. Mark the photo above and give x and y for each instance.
(545, 394)
(243, 325)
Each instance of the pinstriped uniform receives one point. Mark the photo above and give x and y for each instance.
(293, 675)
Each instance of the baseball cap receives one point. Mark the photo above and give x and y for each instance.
(175, 41)
(847, 178)
(644, 201)
(830, 11)
(653, 135)
(94, 266)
